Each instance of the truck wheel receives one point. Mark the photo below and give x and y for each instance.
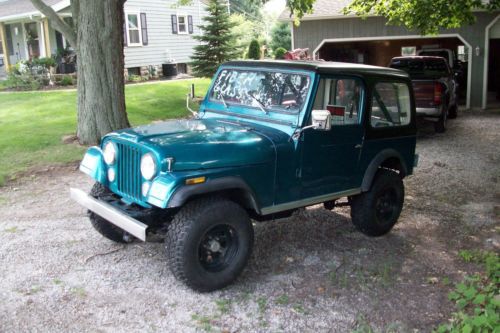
(375, 212)
(452, 112)
(440, 125)
(105, 228)
(208, 243)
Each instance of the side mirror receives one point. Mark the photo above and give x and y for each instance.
(321, 120)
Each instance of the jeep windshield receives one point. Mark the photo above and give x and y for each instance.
(267, 90)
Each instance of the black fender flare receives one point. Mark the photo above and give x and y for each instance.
(377, 162)
(184, 193)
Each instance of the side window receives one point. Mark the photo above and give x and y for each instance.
(342, 97)
(391, 105)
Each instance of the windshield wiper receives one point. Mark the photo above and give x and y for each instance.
(223, 100)
(262, 106)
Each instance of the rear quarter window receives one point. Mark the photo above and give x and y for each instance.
(390, 105)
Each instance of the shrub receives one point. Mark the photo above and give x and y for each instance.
(44, 62)
(279, 53)
(476, 297)
(66, 80)
(20, 79)
(136, 78)
(254, 50)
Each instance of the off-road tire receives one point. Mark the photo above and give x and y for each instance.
(186, 235)
(364, 206)
(105, 228)
(452, 112)
(440, 125)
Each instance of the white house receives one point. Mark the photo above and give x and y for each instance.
(156, 32)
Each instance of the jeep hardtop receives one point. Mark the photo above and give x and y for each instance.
(270, 137)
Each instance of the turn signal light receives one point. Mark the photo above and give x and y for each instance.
(438, 93)
(197, 180)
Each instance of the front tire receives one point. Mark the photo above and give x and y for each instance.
(105, 228)
(209, 243)
(375, 212)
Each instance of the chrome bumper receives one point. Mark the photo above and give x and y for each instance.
(110, 213)
(428, 112)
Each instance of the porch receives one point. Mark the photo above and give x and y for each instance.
(27, 35)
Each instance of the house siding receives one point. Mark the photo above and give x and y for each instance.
(163, 45)
(310, 34)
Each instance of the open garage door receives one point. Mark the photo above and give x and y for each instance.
(378, 51)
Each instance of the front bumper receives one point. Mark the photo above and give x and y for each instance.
(110, 213)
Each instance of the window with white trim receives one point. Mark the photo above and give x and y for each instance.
(182, 24)
(133, 29)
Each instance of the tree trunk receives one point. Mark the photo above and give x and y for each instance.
(101, 95)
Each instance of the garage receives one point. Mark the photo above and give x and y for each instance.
(331, 35)
(379, 51)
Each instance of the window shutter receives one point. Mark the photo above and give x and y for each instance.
(144, 29)
(174, 24)
(125, 43)
(190, 24)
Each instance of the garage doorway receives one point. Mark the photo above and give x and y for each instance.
(378, 51)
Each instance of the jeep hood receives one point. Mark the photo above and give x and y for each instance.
(206, 143)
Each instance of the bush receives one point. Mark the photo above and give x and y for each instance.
(476, 297)
(66, 80)
(279, 53)
(22, 80)
(254, 50)
(137, 78)
(44, 62)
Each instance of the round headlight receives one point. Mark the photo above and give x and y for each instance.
(148, 166)
(109, 153)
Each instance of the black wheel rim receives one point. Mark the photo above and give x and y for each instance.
(218, 247)
(386, 206)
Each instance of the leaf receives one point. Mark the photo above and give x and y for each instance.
(461, 288)
(479, 321)
(480, 298)
(461, 303)
(470, 293)
(467, 329)
(452, 296)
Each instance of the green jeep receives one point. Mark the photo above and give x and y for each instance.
(270, 137)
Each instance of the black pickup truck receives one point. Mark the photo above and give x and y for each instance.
(434, 87)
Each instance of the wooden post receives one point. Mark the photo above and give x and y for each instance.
(3, 37)
(46, 35)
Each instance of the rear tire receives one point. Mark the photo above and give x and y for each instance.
(104, 227)
(209, 243)
(452, 112)
(375, 212)
(440, 125)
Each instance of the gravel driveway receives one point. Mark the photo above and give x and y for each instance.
(312, 272)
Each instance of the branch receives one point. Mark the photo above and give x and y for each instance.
(56, 21)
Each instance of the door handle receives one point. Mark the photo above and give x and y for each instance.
(358, 146)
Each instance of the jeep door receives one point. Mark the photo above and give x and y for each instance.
(390, 124)
(330, 158)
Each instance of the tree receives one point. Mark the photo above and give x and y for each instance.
(254, 50)
(425, 16)
(97, 37)
(250, 8)
(244, 31)
(217, 41)
(281, 36)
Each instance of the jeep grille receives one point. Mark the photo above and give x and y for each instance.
(129, 177)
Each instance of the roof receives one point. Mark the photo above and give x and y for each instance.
(321, 9)
(10, 9)
(325, 67)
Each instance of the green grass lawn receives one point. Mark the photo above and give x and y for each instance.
(32, 124)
